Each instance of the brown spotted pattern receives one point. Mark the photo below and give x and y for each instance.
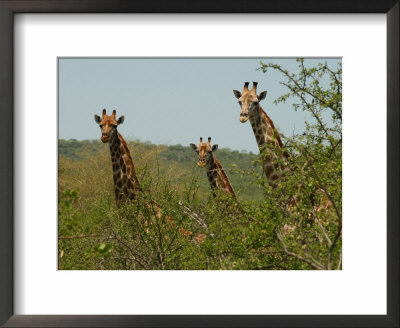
(264, 130)
(126, 184)
(215, 173)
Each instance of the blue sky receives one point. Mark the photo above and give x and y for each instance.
(172, 101)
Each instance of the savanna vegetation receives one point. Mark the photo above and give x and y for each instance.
(295, 226)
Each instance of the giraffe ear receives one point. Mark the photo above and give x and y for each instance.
(262, 95)
(214, 148)
(193, 146)
(237, 94)
(97, 119)
(121, 120)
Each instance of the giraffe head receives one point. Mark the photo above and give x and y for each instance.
(108, 125)
(248, 100)
(205, 150)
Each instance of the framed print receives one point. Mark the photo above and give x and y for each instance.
(183, 221)
(182, 253)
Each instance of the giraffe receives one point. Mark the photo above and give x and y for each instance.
(264, 131)
(269, 142)
(216, 174)
(126, 184)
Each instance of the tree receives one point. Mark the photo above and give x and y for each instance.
(309, 199)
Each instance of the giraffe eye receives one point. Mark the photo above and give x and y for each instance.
(240, 103)
(100, 126)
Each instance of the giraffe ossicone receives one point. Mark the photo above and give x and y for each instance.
(215, 173)
(126, 184)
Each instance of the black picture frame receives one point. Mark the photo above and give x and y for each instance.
(10, 7)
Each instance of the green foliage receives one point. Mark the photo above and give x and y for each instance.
(177, 224)
(65, 207)
(312, 227)
(75, 149)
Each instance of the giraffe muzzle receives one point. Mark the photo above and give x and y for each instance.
(243, 117)
(201, 163)
(104, 137)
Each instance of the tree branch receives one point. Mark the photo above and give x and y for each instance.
(134, 255)
(309, 106)
(290, 78)
(339, 232)
(299, 257)
(80, 236)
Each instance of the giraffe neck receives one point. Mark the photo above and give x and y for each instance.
(126, 185)
(266, 136)
(217, 177)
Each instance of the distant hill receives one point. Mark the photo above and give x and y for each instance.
(177, 161)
